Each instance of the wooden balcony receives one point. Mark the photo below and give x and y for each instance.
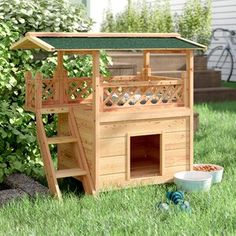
(117, 92)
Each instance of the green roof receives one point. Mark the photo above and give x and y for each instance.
(88, 41)
(118, 43)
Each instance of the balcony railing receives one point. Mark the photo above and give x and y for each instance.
(116, 92)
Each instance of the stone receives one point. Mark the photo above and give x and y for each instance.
(26, 184)
(8, 195)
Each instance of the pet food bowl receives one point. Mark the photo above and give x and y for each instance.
(192, 181)
(215, 171)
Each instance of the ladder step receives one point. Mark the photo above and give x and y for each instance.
(70, 173)
(61, 139)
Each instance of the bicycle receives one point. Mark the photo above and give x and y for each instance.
(222, 57)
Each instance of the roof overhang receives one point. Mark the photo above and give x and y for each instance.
(32, 42)
(59, 41)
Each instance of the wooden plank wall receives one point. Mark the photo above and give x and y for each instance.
(84, 119)
(86, 129)
(113, 146)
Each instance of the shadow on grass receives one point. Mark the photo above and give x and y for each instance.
(67, 185)
(71, 185)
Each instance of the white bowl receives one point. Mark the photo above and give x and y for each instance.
(216, 174)
(191, 181)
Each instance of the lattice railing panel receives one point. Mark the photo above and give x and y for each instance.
(48, 91)
(78, 89)
(41, 91)
(30, 94)
(136, 95)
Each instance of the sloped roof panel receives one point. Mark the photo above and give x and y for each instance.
(87, 41)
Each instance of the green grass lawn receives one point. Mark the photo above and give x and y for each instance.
(228, 84)
(133, 211)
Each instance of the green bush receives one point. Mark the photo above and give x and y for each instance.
(18, 146)
(140, 17)
(18, 149)
(42, 15)
(195, 21)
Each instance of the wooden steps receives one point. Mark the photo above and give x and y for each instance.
(62, 139)
(217, 94)
(80, 168)
(70, 173)
(207, 79)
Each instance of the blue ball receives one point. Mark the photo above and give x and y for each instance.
(176, 197)
(185, 206)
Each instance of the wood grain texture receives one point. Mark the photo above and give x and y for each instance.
(96, 113)
(120, 129)
(177, 157)
(118, 181)
(177, 140)
(141, 113)
(112, 164)
(189, 69)
(113, 147)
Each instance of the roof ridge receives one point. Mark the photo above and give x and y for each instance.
(102, 35)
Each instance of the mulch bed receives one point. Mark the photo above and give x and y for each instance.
(17, 186)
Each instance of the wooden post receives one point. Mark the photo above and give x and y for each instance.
(60, 77)
(162, 154)
(185, 89)
(56, 96)
(96, 110)
(28, 96)
(38, 91)
(146, 65)
(189, 68)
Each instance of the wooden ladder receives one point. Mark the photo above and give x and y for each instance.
(81, 169)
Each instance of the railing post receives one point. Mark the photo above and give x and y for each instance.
(55, 81)
(38, 91)
(64, 86)
(28, 98)
(96, 112)
(60, 77)
(189, 69)
(146, 65)
(185, 89)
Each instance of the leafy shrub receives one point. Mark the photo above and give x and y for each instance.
(18, 147)
(140, 17)
(42, 15)
(195, 21)
(76, 65)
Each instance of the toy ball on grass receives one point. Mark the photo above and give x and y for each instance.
(185, 206)
(176, 197)
(163, 206)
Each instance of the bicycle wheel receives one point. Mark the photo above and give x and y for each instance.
(222, 60)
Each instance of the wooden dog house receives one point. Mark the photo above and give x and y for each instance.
(115, 131)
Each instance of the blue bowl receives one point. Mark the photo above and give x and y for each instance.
(193, 181)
